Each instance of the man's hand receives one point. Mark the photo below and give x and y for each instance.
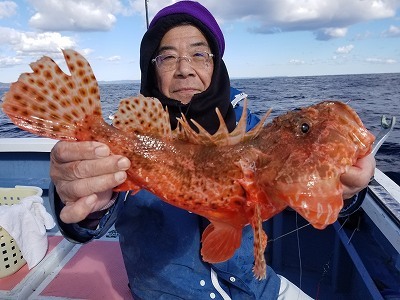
(84, 174)
(358, 176)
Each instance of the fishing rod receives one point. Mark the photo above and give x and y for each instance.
(147, 13)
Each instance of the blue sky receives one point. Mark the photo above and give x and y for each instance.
(263, 37)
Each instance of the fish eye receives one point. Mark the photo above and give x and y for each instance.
(305, 127)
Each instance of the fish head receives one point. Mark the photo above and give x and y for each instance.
(310, 149)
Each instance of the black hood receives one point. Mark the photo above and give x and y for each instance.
(202, 106)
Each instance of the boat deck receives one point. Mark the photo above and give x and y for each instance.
(72, 271)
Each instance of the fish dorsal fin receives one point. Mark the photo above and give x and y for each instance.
(222, 137)
(144, 115)
(49, 102)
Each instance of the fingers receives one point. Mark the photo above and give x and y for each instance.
(71, 151)
(76, 211)
(84, 174)
(358, 176)
(70, 190)
(76, 160)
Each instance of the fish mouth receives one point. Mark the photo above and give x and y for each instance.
(305, 198)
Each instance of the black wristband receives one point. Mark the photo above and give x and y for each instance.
(93, 219)
(353, 204)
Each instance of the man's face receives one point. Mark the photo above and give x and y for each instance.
(185, 79)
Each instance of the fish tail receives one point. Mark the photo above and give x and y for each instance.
(219, 242)
(50, 103)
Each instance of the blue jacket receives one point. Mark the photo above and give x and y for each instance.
(161, 249)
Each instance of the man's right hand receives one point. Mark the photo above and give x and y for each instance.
(84, 174)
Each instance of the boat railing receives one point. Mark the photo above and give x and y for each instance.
(25, 161)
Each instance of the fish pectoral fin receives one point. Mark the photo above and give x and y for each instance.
(220, 241)
(52, 104)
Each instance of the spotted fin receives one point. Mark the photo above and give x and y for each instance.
(222, 137)
(145, 115)
(49, 102)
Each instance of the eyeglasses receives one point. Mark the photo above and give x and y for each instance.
(168, 62)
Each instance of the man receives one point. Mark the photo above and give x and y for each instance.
(182, 66)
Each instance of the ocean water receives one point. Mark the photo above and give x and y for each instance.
(371, 95)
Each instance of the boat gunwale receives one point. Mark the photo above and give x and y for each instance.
(26, 144)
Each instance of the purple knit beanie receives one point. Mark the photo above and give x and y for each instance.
(197, 11)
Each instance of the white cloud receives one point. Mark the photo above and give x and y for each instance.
(325, 34)
(9, 61)
(386, 61)
(32, 43)
(314, 14)
(363, 36)
(296, 62)
(327, 18)
(76, 15)
(86, 51)
(40, 42)
(345, 49)
(393, 31)
(114, 58)
(154, 6)
(8, 36)
(7, 9)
